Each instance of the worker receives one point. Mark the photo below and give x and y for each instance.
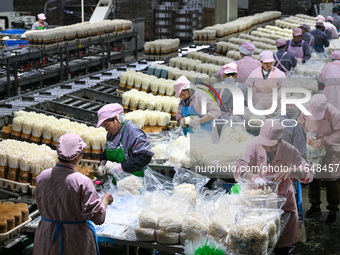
(306, 36)
(298, 47)
(284, 60)
(325, 121)
(320, 18)
(126, 144)
(330, 75)
(247, 64)
(320, 38)
(271, 151)
(68, 201)
(295, 135)
(263, 79)
(230, 75)
(326, 27)
(191, 104)
(41, 24)
(331, 27)
(336, 18)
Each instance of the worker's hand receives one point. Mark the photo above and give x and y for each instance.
(101, 169)
(195, 121)
(310, 141)
(182, 122)
(319, 143)
(258, 181)
(187, 120)
(107, 199)
(113, 168)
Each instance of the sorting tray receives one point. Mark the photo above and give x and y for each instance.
(15, 186)
(13, 232)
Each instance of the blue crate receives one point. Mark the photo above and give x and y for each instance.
(13, 31)
(16, 42)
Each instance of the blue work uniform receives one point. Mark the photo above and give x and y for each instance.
(309, 39)
(135, 146)
(284, 60)
(328, 33)
(336, 21)
(320, 40)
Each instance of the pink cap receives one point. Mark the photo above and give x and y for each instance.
(109, 111)
(267, 56)
(336, 54)
(297, 31)
(305, 26)
(317, 106)
(247, 48)
(230, 68)
(320, 17)
(320, 23)
(330, 18)
(280, 42)
(70, 146)
(270, 133)
(181, 83)
(41, 16)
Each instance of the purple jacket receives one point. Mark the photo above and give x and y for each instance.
(63, 194)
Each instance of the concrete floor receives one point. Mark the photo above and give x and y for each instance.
(321, 239)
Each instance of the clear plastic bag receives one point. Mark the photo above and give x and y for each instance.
(248, 187)
(272, 200)
(155, 181)
(194, 228)
(253, 230)
(310, 151)
(183, 175)
(129, 184)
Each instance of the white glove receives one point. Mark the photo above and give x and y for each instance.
(259, 182)
(101, 169)
(182, 122)
(195, 121)
(113, 168)
(187, 120)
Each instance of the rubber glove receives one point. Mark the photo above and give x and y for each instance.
(187, 121)
(101, 169)
(182, 122)
(113, 168)
(258, 181)
(195, 121)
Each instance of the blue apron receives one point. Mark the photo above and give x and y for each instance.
(58, 227)
(191, 111)
(299, 200)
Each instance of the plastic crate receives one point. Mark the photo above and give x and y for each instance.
(16, 42)
(13, 31)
